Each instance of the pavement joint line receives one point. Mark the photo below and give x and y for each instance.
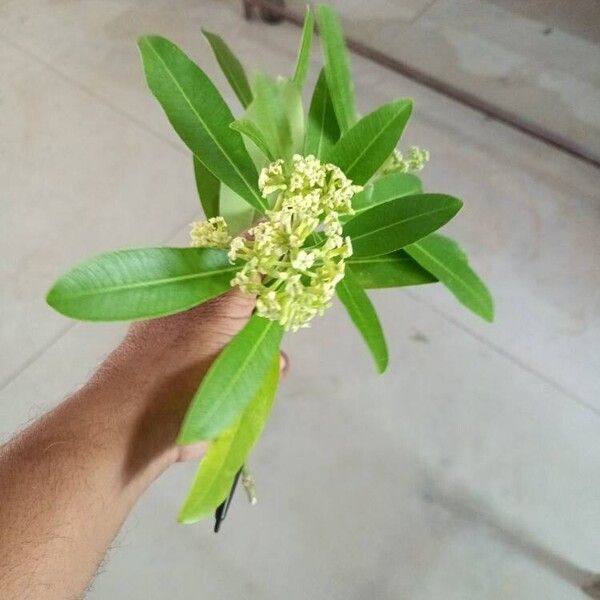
(66, 328)
(505, 354)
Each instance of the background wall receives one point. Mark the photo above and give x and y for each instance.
(469, 471)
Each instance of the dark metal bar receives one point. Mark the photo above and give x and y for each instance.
(488, 109)
(223, 508)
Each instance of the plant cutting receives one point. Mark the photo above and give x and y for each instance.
(300, 206)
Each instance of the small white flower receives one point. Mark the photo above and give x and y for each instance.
(303, 260)
(210, 234)
(293, 284)
(415, 160)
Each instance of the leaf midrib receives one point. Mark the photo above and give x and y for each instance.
(398, 223)
(357, 310)
(358, 211)
(374, 140)
(231, 78)
(221, 464)
(227, 389)
(339, 81)
(233, 434)
(454, 276)
(303, 58)
(214, 139)
(239, 89)
(322, 129)
(149, 283)
(367, 260)
(369, 338)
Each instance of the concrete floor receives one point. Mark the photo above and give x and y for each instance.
(470, 470)
(535, 59)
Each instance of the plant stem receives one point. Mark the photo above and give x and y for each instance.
(249, 485)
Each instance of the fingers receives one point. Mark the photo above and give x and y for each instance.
(284, 364)
(191, 452)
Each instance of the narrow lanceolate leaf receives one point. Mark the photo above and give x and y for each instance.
(228, 452)
(322, 129)
(397, 269)
(200, 116)
(208, 189)
(397, 223)
(277, 112)
(337, 66)
(232, 68)
(253, 133)
(367, 145)
(363, 315)
(386, 188)
(141, 283)
(232, 381)
(303, 61)
(446, 260)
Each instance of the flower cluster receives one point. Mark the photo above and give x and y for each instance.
(415, 160)
(293, 260)
(210, 234)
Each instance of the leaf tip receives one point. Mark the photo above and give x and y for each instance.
(183, 438)
(147, 39)
(489, 314)
(184, 518)
(487, 309)
(53, 298)
(456, 203)
(401, 105)
(50, 295)
(382, 366)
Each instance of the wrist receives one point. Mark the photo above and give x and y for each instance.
(139, 398)
(153, 375)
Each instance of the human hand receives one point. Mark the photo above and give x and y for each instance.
(165, 359)
(92, 456)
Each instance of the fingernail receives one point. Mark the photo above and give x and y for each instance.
(284, 363)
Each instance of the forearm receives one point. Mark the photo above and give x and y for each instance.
(69, 481)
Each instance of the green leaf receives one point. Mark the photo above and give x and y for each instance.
(294, 111)
(232, 68)
(208, 189)
(446, 260)
(397, 223)
(364, 148)
(386, 188)
(200, 116)
(337, 66)
(367, 145)
(397, 269)
(226, 455)
(277, 112)
(141, 283)
(363, 315)
(303, 61)
(322, 129)
(232, 381)
(235, 210)
(253, 133)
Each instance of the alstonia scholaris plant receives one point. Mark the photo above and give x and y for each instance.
(300, 207)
